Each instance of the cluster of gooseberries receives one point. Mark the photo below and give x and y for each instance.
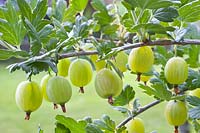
(57, 89)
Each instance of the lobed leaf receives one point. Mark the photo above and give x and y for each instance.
(71, 124)
(125, 97)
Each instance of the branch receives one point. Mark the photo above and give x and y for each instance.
(146, 107)
(136, 45)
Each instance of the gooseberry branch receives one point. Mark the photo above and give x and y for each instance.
(135, 45)
(146, 107)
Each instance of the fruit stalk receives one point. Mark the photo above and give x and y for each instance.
(27, 117)
(63, 108)
(110, 100)
(176, 90)
(138, 77)
(81, 90)
(176, 129)
(55, 106)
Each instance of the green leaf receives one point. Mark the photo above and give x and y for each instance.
(157, 28)
(34, 65)
(11, 26)
(81, 28)
(101, 15)
(67, 43)
(121, 109)
(36, 42)
(145, 16)
(92, 128)
(105, 124)
(129, 4)
(6, 54)
(103, 18)
(40, 11)
(121, 130)
(192, 32)
(193, 100)
(158, 89)
(25, 9)
(125, 97)
(99, 5)
(152, 28)
(60, 10)
(136, 105)
(74, 7)
(61, 128)
(148, 4)
(110, 29)
(194, 113)
(127, 20)
(102, 125)
(108, 121)
(166, 14)
(162, 55)
(190, 12)
(184, 2)
(44, 34)
(61, 32)
(79, 5)
(192, 82)
(71, 124)
(69, 15)
(196, 125)
(180, 33)
(193, 59)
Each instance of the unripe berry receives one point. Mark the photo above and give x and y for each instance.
(28, 97)
(108, 84)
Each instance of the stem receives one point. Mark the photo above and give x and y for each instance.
(63, 108)
(176, 129)
(138, 77)
(27, 117)
(81, 90)
(134, 45)
(55, 106)
(110, 100)
(176, 90)
(175, 50)
(139, 112)
(121, 48)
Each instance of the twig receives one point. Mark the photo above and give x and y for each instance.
(121, 48)
(135, 45)
(139, 112)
